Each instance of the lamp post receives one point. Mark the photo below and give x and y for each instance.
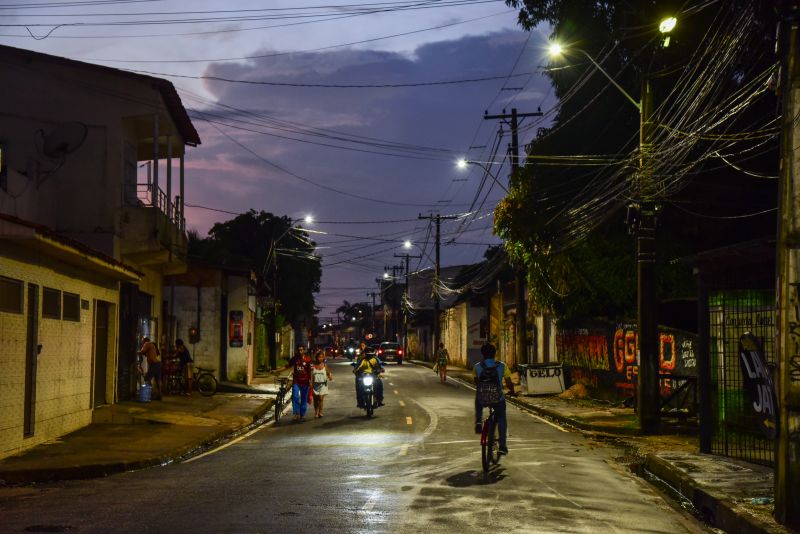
(644, 226)
(272, 258)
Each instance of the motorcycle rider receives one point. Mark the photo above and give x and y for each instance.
(368, 365)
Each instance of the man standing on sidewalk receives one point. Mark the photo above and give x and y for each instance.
(151, 352)
(489, 376)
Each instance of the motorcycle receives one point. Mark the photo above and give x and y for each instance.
(368, 396)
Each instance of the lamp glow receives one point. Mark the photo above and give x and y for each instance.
(385, 276)
(462, 163)
(667, 25)
(555, 49)
(309, 219)
(407, 244)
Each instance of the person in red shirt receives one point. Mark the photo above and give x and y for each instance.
(301, 375)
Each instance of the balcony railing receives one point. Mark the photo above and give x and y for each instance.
(144, 195)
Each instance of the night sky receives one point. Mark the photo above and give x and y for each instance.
(355, 158)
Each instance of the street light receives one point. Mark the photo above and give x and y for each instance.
(463, 163)
(648, 394)
(407, 244)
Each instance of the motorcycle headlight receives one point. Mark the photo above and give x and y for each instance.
(368, 380)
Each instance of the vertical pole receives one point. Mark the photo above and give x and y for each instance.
(521, 319)
(405, 313)
(704, 366)
(436, 274)
(169, 210)
(182, 193)
(649, 398)
(155, 160)
(787, 465)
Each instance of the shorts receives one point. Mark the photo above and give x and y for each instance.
(153, 371)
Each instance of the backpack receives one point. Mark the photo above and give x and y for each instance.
(488, 386)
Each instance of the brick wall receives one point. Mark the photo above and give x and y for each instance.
(64, 379)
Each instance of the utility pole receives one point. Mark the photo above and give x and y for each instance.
(407, 257)
(521, 322)
(787, 464)
(373, 295)
(436, 275)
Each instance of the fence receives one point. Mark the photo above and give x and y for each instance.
(735, 429)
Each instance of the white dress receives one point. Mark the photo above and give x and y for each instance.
(320, 380)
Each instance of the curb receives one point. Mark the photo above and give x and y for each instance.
(82, 472)
(715, 510)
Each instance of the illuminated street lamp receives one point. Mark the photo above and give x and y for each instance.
(407, 244)
(463, 163)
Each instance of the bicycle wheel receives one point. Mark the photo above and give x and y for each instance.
(206, 384)
(173, 384)
(278, 405)
(486, 445)
(494, 438)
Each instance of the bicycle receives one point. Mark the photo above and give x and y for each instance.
(280, 397)
(490, 442)
(204, 381)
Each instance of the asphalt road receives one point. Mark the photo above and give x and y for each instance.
(414, 467)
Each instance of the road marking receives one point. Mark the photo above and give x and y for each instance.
(370, 504)
(401, 403)
(269, 423)
(403, 449)
(543, 420)
(396, 392)
(409, 421)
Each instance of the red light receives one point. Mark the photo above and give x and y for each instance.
(399, 352)
(380, 351)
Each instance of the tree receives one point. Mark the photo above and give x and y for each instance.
(246, 241)
(565, 219)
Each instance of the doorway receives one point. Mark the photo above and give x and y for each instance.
(100, 353)
(31, 359)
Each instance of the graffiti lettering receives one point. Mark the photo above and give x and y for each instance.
(667, 355)
(547, 372)
(583, 350)
(625, 342)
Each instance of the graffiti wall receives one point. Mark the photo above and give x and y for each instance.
(607, 356)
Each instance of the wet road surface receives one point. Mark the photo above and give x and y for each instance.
(414, 467)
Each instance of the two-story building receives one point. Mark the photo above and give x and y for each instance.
(92, 158)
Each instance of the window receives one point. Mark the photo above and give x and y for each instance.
(51, 303)
(11, 295)
(72, 307)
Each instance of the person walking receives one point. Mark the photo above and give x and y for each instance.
(441, 363)
(150, 351)
(301, 380)
(320, 376)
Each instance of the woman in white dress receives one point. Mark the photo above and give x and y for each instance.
(320, 375)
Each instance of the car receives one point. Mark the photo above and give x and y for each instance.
(331, 351)
(390, 352)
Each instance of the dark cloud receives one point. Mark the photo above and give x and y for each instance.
(226, 176)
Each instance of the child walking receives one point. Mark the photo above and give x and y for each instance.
(320, 374)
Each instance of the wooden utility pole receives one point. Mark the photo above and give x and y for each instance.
(521, 322)
(787, 461)
(436, 275)
(407, 258)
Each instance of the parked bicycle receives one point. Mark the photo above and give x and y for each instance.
(280, 397)
(203, 380)
(490, 442)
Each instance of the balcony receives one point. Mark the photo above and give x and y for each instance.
(153, 229)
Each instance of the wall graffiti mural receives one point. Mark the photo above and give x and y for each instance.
(608, 356)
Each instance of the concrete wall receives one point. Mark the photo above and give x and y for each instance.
(240, 359)
(64, 384)
(454, 333)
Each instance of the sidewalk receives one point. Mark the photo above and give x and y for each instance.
(731, 495)
(133, 435)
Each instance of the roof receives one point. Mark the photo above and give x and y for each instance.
(164, 87)
(54, 241)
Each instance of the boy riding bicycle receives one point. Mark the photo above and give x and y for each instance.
(489, 376)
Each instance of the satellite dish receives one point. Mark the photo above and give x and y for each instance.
(65, 139)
